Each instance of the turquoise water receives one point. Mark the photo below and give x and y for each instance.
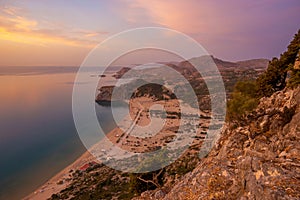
(38, 137)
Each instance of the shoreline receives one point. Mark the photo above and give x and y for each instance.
(122, 139)
(51, 186)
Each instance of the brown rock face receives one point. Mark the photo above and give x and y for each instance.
(297, 64)
(105, 94)
(121, 72)
(259, 160)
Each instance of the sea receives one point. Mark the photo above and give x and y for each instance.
(38, 137)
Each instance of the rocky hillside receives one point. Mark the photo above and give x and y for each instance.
(256, 159)
(156, 91)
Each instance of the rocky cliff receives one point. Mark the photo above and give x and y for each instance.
(256, 159)
(105, 94)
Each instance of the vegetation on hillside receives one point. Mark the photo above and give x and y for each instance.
(102, 182)
(246, 94)
(244, 99)
(274, 79)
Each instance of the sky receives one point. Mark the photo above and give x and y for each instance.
(63, 32)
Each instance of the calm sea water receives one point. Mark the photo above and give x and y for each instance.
(37, 136)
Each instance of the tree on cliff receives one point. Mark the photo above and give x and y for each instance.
(247, 93)
(274, 79)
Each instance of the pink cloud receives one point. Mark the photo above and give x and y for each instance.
(239, 28)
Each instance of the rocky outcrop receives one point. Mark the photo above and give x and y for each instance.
(155, 91)
(121, 72)
(105, 94)
(260, 159)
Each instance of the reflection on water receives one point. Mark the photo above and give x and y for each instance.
(38, 137)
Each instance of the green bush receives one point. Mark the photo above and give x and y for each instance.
(243, 100)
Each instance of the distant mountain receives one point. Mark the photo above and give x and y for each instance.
(260, 64)
(254, 63)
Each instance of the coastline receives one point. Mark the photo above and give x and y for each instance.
(51, 187)
(139, 115)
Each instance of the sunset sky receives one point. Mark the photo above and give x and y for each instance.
(62, 32)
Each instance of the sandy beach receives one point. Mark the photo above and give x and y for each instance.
(59, 181)
(154, 135)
